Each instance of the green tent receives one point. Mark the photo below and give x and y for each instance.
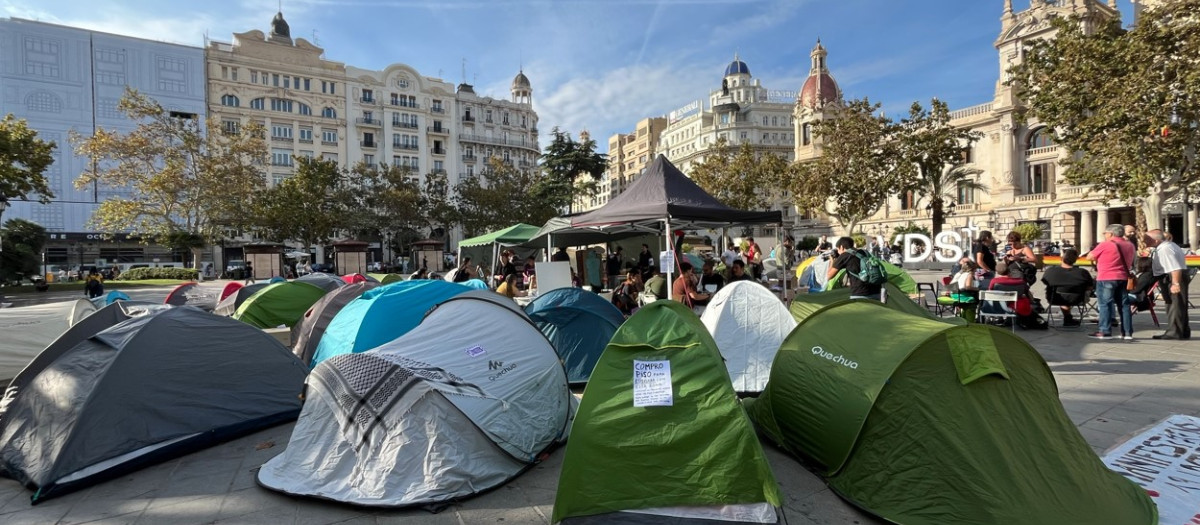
(516, 234)
(386, 278)
(895, 274)
(700, 451)
(923, 422)
(279, 304)
(804, 305)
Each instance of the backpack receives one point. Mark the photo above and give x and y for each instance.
(870, 269)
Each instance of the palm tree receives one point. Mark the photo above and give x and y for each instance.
(938, 151)
(943, 186)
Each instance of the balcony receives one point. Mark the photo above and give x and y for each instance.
(521, 141)
(405, 145)
(329, 143)
(306, 141)
(367, 100)
(982, 109)
(469, 158)
(1077, 192)
(524, 164)
(1035, 197)
(468, 118)
(368, 144)
(437, 109)
(1042, 152)
(966, 208)
(438, 129)
(438, 171)
(409, 125)
(904, 214)
(275, 138)
(402, 103)
(369, 122)
(439, 151)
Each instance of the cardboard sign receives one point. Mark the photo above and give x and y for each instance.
(652, 384)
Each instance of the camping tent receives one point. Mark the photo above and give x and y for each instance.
(804, 305)
(192, 294)
(383, 314)
(674, 441)
(357, 278)
(323, 281)
(895, 275)
(231, 302)
(148, 389)
(230, 287)
(279, 304)
(748, 322)
(436, 415)
(28, 330)
(109, 298)
(384, 278)
(307, 333)
(578, 324)
(475, 284)
(924, 422)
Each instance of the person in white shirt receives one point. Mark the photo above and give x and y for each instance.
(729, 256)
(1170, 267)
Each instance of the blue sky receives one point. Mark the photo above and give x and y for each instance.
(602, 65)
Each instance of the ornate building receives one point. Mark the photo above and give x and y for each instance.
(489, 127)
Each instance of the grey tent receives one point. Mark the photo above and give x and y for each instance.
(146, 390)
(307, 333)
(439, 414)
(229, 305)
(323, 281)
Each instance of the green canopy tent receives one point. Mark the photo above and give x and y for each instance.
(804, 305)
(895, 274)
(279, 304)
(514, 235)
(923, 422)
(687, 443)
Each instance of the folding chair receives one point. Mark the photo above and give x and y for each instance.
(997, 305)
(1054, 298)
(928, 296)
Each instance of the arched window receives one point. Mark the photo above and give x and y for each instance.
(1040, 138)
(304, 109)
(329, 113)
(230, 100)
(258, 103)
(806, 134)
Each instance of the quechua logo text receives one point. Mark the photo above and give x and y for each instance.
(838, 359)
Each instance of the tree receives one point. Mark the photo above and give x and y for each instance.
(440, 211)
(935, 150)
(859, 166)
(741, 179)
(1124, 104)
(307, 207)
(563, 162)
(170, 174)
(503, 195)
(22, 250)
(385, 202)
(23, 160)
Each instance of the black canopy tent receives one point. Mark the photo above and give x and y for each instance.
(662, 199)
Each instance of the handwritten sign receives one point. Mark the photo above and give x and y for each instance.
(1165, 461)
(652, 384)
(666, 261)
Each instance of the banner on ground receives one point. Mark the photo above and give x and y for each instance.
(1165, 461)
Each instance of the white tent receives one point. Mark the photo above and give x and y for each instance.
(748, 323)
(436, 415)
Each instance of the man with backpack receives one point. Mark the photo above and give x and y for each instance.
(864, 270)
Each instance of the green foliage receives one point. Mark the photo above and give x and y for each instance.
(308, 206)
(1123, 103)
(501, 197)
(911, 227)
(859, 166)
(22, 250)
(23, 160)
(142, 274)
(439, 208)
(741, 178)
(1029, 231)
(808, 242)
(570, 168)
(181, 179)
(860, 239)
(384, 200)
(934, 148)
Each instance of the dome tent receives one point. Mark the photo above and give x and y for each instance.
(895, 275)
(690, 456)
(145, 390)
(233, 299)
(381, 315)
(229, 288)
(279, 304)
(748, 323)
(190, 293)
(804, 305)
(324, 281)
(936, 423)
(433, 416)
(579, 324)
(307, 333)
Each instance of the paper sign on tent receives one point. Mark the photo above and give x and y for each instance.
(652, 384)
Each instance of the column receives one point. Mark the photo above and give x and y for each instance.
(1192, 225)
(1101, 224)
(1087, 231)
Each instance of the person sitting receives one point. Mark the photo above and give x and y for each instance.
(529, 274)
(421, 273)
(964, 280)
(1071, 284)
(738, 273)
(710, 278)
(508, 288)
(625, 296)
(1010, 278)
(1139, 296)
(684, 287)
(655, 288)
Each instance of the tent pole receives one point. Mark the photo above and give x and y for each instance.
(458, 259)
(549, 247)
(495, 260)
(671, 250)
(783, 274)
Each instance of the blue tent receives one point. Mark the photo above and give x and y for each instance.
(381, 315)
(475, 284)
(579, 324)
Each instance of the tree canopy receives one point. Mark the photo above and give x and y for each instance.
(936, 151)
(563, 161)
(169, 175)
(23, 160)
(859, 167)
(741, 178)
(1124, 103)
(310, 206)
(500, 197)
(21, 251)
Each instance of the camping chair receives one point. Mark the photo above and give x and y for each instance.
(1191, 276)
(1054, 298)
(1150, 304)
(997, 305)
(927, 296)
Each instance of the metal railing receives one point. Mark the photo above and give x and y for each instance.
(369, 122)
(468, 158)
(368, 143)
(468, 118)
(400, 124)
(407, 146)
(438, 129)
(437, 109)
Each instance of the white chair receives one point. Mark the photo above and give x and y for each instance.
(997, 305)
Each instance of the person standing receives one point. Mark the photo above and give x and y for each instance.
(613, 267)
(1170, 267)
(984, 254)
(249, 273)
(848, 259)
(754, 258)
(1113, 258)
(824, 245)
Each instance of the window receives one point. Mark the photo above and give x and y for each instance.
(437, 106)
(306, 153)
(281, 131)
(296, 82)
(774, 121)
(329, 156)
(287, 82)
(504, 119)
(764, 120)
(488, 116)
(231, 127)
(369, 160)
(230, 100)
(329, 113)
(257, 103)
(304, 109)
(233, 74)
(724, 118)
(306, 135)
(277, 178)
(307, 85)
(806, 134)
(281, 104)
(253, 76)
(438, 166)
(965, 193)
(275, 79)
(908, 200)
(968, 155)
(329, 136)
(396, 140)
(368, 116)
(368, 95)
(1040, 138)
(397, 162)
(395, 99)
(368, 139)
(1040, 178)
(281, 157)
